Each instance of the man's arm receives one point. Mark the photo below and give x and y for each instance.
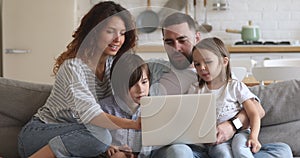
(226, 129)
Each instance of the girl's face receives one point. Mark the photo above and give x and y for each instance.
(208, 65)
(112, 36)
(140, 89)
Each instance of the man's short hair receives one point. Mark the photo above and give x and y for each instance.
(179, 18)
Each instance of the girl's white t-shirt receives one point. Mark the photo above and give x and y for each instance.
(229, 98)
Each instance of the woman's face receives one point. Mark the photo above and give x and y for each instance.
(112, 36)
(207, 64)
(140, 89)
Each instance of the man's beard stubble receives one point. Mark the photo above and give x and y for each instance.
(182, 64)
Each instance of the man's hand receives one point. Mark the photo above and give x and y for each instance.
(225, 131)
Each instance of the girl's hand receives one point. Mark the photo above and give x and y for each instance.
(254, 144)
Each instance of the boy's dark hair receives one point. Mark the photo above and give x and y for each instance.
(126, 71)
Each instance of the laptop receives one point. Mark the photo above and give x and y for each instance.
(171, 119)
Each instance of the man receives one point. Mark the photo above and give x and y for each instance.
(175, 77)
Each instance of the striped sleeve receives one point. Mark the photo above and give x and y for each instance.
(80, 92)
(83, 102)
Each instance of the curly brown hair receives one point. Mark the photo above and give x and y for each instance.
(85, 37)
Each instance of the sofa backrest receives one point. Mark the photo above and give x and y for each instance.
(281, 102)
(18, 102)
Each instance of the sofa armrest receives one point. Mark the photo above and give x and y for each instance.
(19, 102)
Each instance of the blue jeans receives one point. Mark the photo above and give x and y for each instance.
(274, 150)
(235, 147)
(65, 139)
(180, 151)
(271, 150)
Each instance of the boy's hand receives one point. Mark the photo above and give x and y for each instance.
(112, 150)
(138, 124)
(120, 152)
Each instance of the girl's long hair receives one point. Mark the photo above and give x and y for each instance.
(216, 46)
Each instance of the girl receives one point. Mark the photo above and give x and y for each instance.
(211, 60)
(130, 81)
(72, 123)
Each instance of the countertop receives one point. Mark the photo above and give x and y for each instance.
(234, 49)
(264, 49)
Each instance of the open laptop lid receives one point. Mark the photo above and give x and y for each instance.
(170, 119)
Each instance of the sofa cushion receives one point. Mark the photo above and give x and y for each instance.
(281, 102)
(287, 133)
(19, 101)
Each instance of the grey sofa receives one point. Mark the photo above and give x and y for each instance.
(281, 101)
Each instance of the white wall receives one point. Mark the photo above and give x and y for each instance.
(278, 20)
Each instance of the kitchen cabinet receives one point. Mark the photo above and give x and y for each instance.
(34, 33)
(263, 49)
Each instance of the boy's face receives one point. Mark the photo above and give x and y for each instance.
(140, 89)
(179, 40)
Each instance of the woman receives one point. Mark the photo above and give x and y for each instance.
(72, 123)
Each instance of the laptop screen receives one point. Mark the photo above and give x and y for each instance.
(171, 119)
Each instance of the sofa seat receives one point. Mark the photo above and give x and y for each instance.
(20, 100)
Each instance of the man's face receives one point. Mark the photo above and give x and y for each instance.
(179, 41)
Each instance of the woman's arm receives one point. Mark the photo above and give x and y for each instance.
(109, 121)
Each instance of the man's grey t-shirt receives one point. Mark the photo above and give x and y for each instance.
(167, 80)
